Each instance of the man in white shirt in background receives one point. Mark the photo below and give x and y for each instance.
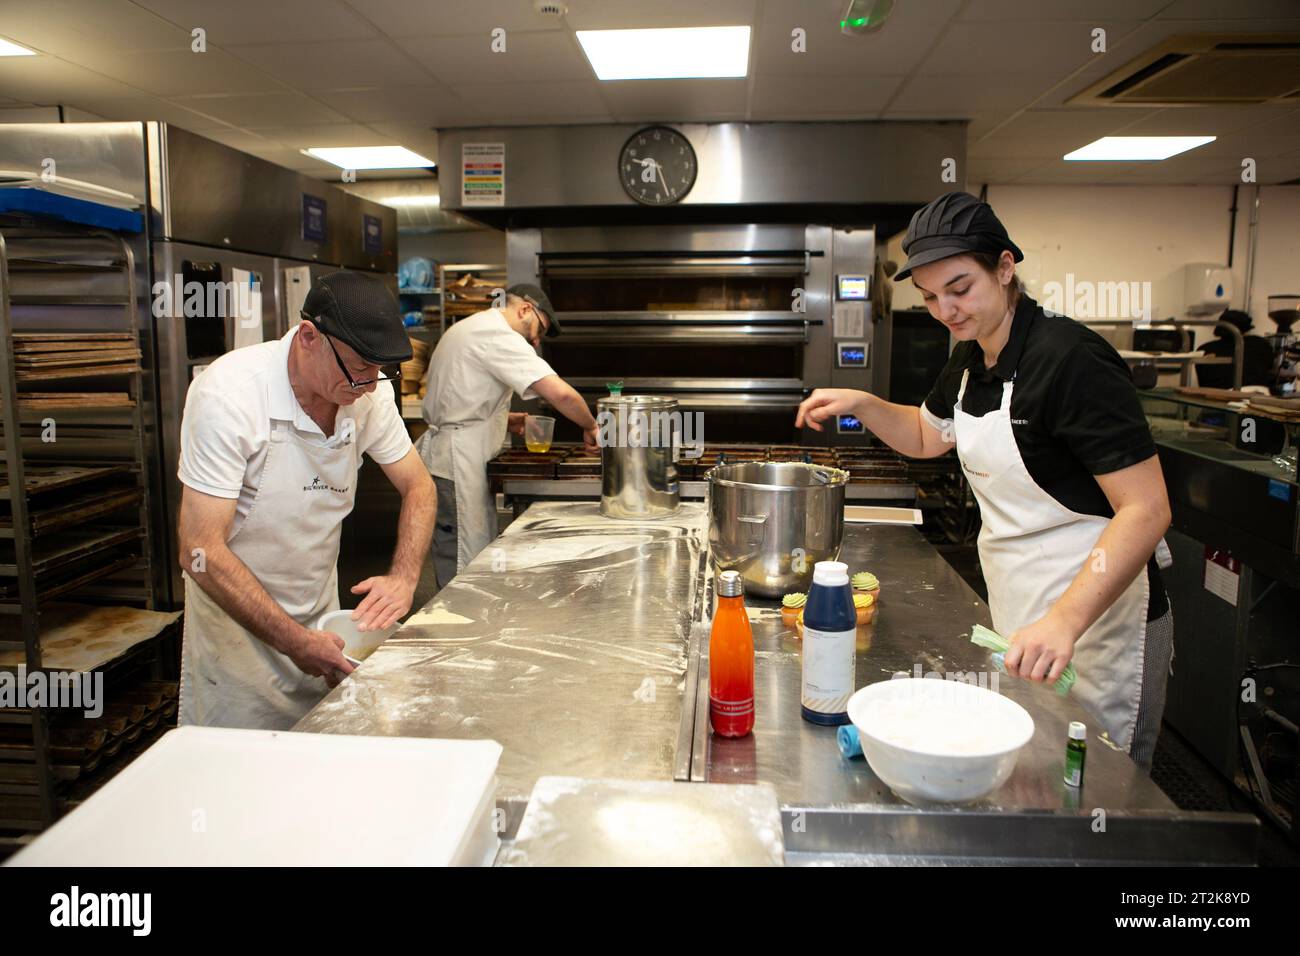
(479, 361)
(270, 446)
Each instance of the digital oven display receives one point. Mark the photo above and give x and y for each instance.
(851, 287)
(851, 355)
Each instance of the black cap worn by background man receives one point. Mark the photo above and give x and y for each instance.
(951, 225)
(358, 309)
(535, 296)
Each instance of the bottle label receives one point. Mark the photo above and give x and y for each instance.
(828, 669)
(731, 708)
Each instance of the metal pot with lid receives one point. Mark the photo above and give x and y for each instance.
(772, 521)
(638, 435)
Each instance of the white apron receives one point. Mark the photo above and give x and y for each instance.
(290, 542)
(466, 448)
(1031, 548)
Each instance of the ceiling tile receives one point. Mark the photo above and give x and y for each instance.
(245, 21)
(1049, 50)
(334, 64)
(326, 134)
(431, 105)
(1061, 9)
(527, 58)
(402, 18)
(180, 72)
(800, 98)
(1238, 9)
(896, 49)
(46, 80)
(576, 101)
(603, 15)
(264, 110)
(960, 96)
(1050, 133)
(71, 28)
(672, 100)
(1203, 121)
(142, 107)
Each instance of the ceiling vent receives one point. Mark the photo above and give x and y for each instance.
(1205, 70)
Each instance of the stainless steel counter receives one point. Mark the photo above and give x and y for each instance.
(565, 641)
(924, 620)
(580, 644)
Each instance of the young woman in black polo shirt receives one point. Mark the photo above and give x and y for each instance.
(1052, 439)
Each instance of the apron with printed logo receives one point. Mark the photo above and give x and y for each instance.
(1031, 548)
(290, 542)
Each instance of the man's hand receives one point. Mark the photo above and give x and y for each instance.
(591, 440)
(826, 402)
(388, 598)
(515, 425)
(1040, 651)
(320, 654)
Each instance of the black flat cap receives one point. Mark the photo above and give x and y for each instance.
(951, 225)
(358, 309)
(537, 297)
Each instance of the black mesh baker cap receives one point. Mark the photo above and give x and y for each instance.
(358, 309)
(951, 225)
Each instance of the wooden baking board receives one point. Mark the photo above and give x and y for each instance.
(81, 637)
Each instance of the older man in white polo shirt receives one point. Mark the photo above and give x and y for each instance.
(270, 446)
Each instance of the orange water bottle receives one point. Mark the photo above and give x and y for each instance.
(731, 661)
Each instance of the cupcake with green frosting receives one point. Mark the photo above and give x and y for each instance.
(792, 607)
(864, 582)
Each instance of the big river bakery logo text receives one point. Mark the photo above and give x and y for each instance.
(318, 485)
(103, 909)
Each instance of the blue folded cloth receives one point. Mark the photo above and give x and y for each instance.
(850, 745)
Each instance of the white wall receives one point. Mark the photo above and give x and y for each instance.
(1145, 234)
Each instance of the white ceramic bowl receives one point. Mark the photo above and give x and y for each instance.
(943, 741)
(357, 645)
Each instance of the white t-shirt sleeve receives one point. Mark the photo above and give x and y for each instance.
(512, 361)
(941, 425)
(384, 437)
(215, 444)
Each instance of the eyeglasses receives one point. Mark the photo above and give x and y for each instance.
(387, 373)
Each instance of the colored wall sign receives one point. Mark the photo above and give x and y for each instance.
(483, 174)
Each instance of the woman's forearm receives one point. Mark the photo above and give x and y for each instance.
(1120, 554)
(898, 426)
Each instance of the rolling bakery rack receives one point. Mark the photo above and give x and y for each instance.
(74, 508)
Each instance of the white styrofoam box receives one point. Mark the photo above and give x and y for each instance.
(209, 796)
(1207, 288)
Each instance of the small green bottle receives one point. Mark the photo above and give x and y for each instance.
(1076, 749)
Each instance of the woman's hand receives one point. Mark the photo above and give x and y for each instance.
(824, 403)
(515, 422)
(1040, 651)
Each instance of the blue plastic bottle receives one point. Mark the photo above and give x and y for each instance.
(830, 628)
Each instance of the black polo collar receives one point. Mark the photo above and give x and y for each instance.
(1009, 358)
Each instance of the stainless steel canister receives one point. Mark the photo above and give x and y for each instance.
(772, 521)
(638, 472)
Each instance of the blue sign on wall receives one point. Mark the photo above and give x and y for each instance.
(313, 218)
(372, 235)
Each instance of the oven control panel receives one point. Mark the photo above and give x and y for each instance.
(854, 286)
(849, 425)
(852, 354)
